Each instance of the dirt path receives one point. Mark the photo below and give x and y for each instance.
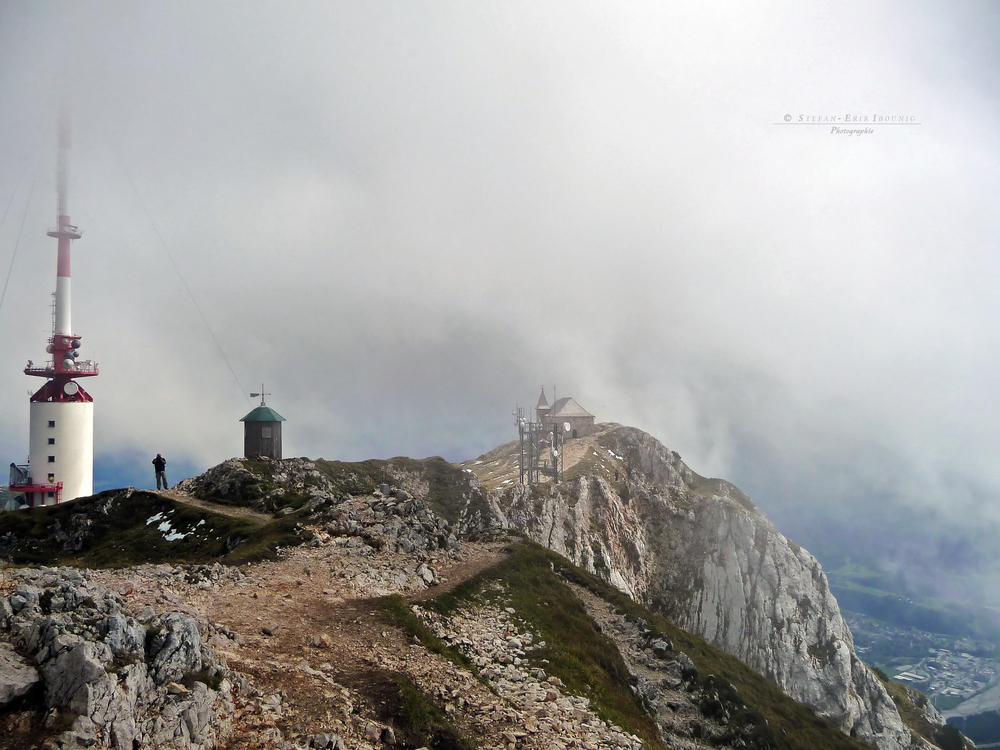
(308, 631)
(307, 634)
(464, 569)
(225, 510)
(577, 450)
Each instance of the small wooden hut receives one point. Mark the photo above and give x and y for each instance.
(262, 432)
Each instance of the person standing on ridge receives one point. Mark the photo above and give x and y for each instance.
(160, 465)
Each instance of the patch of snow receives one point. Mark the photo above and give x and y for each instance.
(152, 519)
(169, 534)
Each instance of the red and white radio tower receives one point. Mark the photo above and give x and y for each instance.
(61, 432)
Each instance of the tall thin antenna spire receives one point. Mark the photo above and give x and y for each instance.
(64, 231)
(62, 164)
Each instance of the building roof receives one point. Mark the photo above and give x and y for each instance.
(542, 402)
(263, 414)
(567, 407)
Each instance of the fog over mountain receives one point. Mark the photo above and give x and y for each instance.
(403, 218)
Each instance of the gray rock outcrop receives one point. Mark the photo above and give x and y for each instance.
(17, 677)
(702, 553)
(175, 650)
(106, 669)
(399, 520)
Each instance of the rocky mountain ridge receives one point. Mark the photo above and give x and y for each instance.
(699, 551)
(307, 661)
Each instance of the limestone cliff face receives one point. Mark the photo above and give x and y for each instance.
(701, 552)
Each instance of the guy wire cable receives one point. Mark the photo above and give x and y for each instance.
(18, 242)
(13, 193)
(194, 302)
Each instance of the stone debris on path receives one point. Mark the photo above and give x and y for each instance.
(548, 717)
(118, 648)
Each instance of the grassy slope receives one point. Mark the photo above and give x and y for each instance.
(120, 533)
(946, 737)
(533, 582)
(121, 536)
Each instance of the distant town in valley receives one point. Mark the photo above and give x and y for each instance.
(947, 669)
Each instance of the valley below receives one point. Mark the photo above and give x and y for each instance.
(947, 669)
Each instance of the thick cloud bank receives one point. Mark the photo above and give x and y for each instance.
(403, 218)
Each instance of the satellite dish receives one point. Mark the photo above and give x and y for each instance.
(555, 452)
(71, 388)
(566, 427)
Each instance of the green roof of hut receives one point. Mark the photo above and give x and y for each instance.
(263, 414)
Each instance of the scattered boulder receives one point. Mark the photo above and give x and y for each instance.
(175, 648)
(71, 676)
(320, 641)
(689, 671)
(17, 677)
(123, 635)
(661, 647)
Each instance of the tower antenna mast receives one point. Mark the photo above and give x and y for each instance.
(61, 425)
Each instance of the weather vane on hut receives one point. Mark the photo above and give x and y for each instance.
(261, 394)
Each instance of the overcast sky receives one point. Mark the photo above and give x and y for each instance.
(404, 217)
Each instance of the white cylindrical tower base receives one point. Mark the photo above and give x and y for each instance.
(61, 445)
